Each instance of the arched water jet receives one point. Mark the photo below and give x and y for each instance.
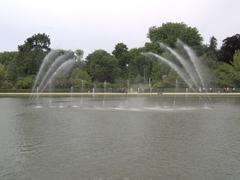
(47, 61)
(192, 69)
(174, 66)
(197, 65)
(63, 70)
(57, 63)
(186, 65)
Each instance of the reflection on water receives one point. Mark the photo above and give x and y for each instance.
(122, 138)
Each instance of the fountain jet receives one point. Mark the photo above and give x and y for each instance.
(189, 69)
(176, 68)
(186, 64)
(47, 61)
(62, 71)
(58, 62)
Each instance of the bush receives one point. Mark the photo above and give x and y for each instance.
(25, 83)
(7, 85)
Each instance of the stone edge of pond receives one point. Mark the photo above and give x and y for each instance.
(120, 94)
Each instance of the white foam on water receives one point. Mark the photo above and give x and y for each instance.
(61, 106)
(128, 108)
(38, 107)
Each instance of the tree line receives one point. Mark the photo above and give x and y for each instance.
(122, 66)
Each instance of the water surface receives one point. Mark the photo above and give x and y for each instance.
(122, 138)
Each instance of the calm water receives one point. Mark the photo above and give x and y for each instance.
(135, 138)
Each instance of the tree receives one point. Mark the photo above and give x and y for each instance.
(236, 66)
(37, 41)
(213, 43)
(25, 83)
(228, 48)
(225, 75)
(210, 54)
(31, 54)
(169, 33)
(120, 50)
(7, 57)
(152, 47)
(80, 77)
(121, 53)
(12, 71)
(3, 74)
(139, 67)
(159, 71)
(79, 53)
(229, 75)
(102, 66)
(134, 52)
(169, 81)
(236, 60)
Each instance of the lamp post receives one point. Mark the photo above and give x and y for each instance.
(127, 78)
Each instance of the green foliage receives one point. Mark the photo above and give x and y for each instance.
(169, 81)
(102, 66)
(159, 71)
(37, 41)
(229, 46)
(156, 72)
(140, 67)
(122, 55)
(7, 85)
(120, 50)
(28, 63)
(152, 47)
(12, 71)
(236, 66)
(3, 74)
(17, 69)
(169, 33)
(229, 75)
(236, 61)
(7, 57)
(62, 83)
(79, 53)
(213, 43)
(225, 75)
(25, 83)
(31, 53)
(157, 85)
(80, 77)
(134, 53)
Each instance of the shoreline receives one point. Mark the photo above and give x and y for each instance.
(120, 94)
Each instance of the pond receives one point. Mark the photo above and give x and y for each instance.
(123, 138)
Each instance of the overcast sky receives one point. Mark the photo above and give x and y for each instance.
(94, 24)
